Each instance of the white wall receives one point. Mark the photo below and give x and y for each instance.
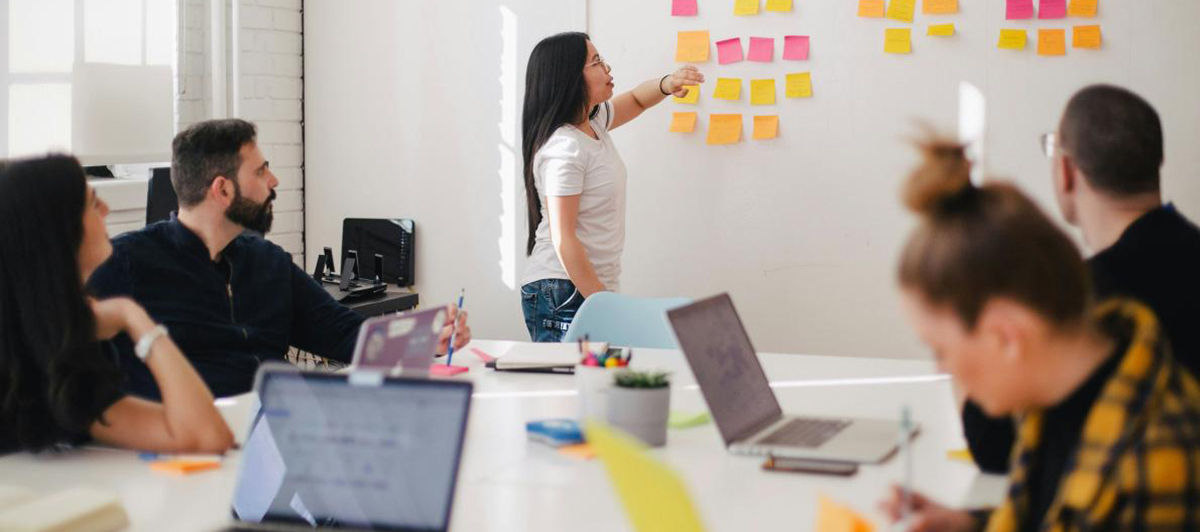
(403, 109)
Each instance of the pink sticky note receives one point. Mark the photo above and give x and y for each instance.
(795, 47)
(482, 355)
(1019, 9)
(1052, 9)
(445, 370)
(762, 49)
(683, 8)
(729, 51)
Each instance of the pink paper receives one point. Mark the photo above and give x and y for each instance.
(762, 49)
(445, 370)
(1052, 9)
(683, 8)
(1019, 9)
(795, 47)
(729, 51)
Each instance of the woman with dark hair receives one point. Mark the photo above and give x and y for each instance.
(1108, 418)
(574, 177)
(58, 385)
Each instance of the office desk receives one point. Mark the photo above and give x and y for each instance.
(508, 483)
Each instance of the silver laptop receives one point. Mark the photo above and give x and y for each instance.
(744, 407)
(351, 452)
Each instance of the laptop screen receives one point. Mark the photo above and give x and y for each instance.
(733, 383)
(327, 451)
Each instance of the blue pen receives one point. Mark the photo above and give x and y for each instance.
(454, 327)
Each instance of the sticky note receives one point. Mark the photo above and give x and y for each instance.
(1052, 42)
(1012, 40)
(762, 92)
(1049, 9)
(654, 497)
(762, 49)
(745, 7)
(941, 30)
(766, 127)
(939, 7)
(683, 8)
(834, 517)
(795, 47)
(184, 467)
(692, 46)
(728, 89)
(729, 51)
(799, 85)
(581, 451)
(724, 129)
(692, 96)
(687, 420)
(901, 10)
(960, 455)
(1082, 8)
(870, 8)
(446, 370)
(897, 41)
(683, 122)
(1086, 37)
(1019, 9)
(779, 5)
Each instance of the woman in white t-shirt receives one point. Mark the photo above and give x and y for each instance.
(574, 177)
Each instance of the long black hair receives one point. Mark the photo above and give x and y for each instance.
(555, 94)
(53, 378)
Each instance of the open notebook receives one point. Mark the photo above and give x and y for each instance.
(546, 357)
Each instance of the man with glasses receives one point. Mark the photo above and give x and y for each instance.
(1105, 159)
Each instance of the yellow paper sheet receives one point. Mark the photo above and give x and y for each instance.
(745, 7)
(692, 96)
(653, 495)
(799, 85)
(762, 92)
(724, 129)
(1012, 40)
(683, 122)
(1086, 37)
(897, 41)
(871, 8)
(834, 517)
(901, 10)
(766, 127)
(1082, 8)
(779, 5)
(692, 46)
(939, 7)
(960, 455)
(1052, 42)
(941, 30)
(728, 89)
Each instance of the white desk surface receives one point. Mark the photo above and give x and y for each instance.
(508, 483)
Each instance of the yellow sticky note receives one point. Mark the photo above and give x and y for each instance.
(1052, 42)
(939, 7)
(683, 122)
(692, 46)
(766, 127)
(960, 455)
(1086, 37)
(799, 85)
(1012, 40)
(941, 30)
(779, 5)
(653, 495)
(1082, 8)
(692, 96)
(871, 8)
(728, 89)
(724, 129)
(762, 92)
(897, 41)
(745, 7)
(901, 10)
(834, 517)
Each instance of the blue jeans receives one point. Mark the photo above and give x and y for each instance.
(549, 306)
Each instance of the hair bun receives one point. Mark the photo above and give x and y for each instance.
(943, 176)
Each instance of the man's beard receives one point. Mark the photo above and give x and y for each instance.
(243, 211)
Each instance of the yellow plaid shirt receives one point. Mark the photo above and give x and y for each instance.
(1137, 466)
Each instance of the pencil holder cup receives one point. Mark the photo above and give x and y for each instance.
(640, 409)
(593, 384)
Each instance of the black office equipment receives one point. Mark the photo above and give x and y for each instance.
(351, 255)
(394, 239)
(319, 272)
(161, 200)
(378, 268)
(347, 267)
(329, 260)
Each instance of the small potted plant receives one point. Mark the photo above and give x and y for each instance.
(639, 404)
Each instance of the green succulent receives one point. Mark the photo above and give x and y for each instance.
(642, 379)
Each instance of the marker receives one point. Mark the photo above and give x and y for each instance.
(454, 326)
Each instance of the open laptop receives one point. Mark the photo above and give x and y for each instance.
(744, 407)
(399, 344)
(351, 452)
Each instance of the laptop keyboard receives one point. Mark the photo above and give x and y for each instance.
(808, 433)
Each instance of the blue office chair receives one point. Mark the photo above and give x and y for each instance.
(625, 321)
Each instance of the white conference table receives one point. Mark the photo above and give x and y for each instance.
(508, 483)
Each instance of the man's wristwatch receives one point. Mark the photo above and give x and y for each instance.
(142, 349)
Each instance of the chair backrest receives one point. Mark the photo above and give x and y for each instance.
(160, 196)
(625, 321)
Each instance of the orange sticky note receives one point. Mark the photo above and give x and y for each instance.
(941, 30)
(834, 517)
(728, 89)
(897, 41)
(692, 46)
(184, 467)
(871, 8)
(939, 7)
(1052, 42)
(745, 7)
(1012, 40)
(766, 127)
(724, 129)
(683, 122)
(581, 451)
(799, 85)
(901, 10)
(1086, 37)
(692, 96)
(762, 92)
(779, 5)
(1082, 8)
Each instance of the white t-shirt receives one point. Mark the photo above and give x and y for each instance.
(572, 163)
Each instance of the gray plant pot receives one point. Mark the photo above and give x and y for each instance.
(641, 412)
